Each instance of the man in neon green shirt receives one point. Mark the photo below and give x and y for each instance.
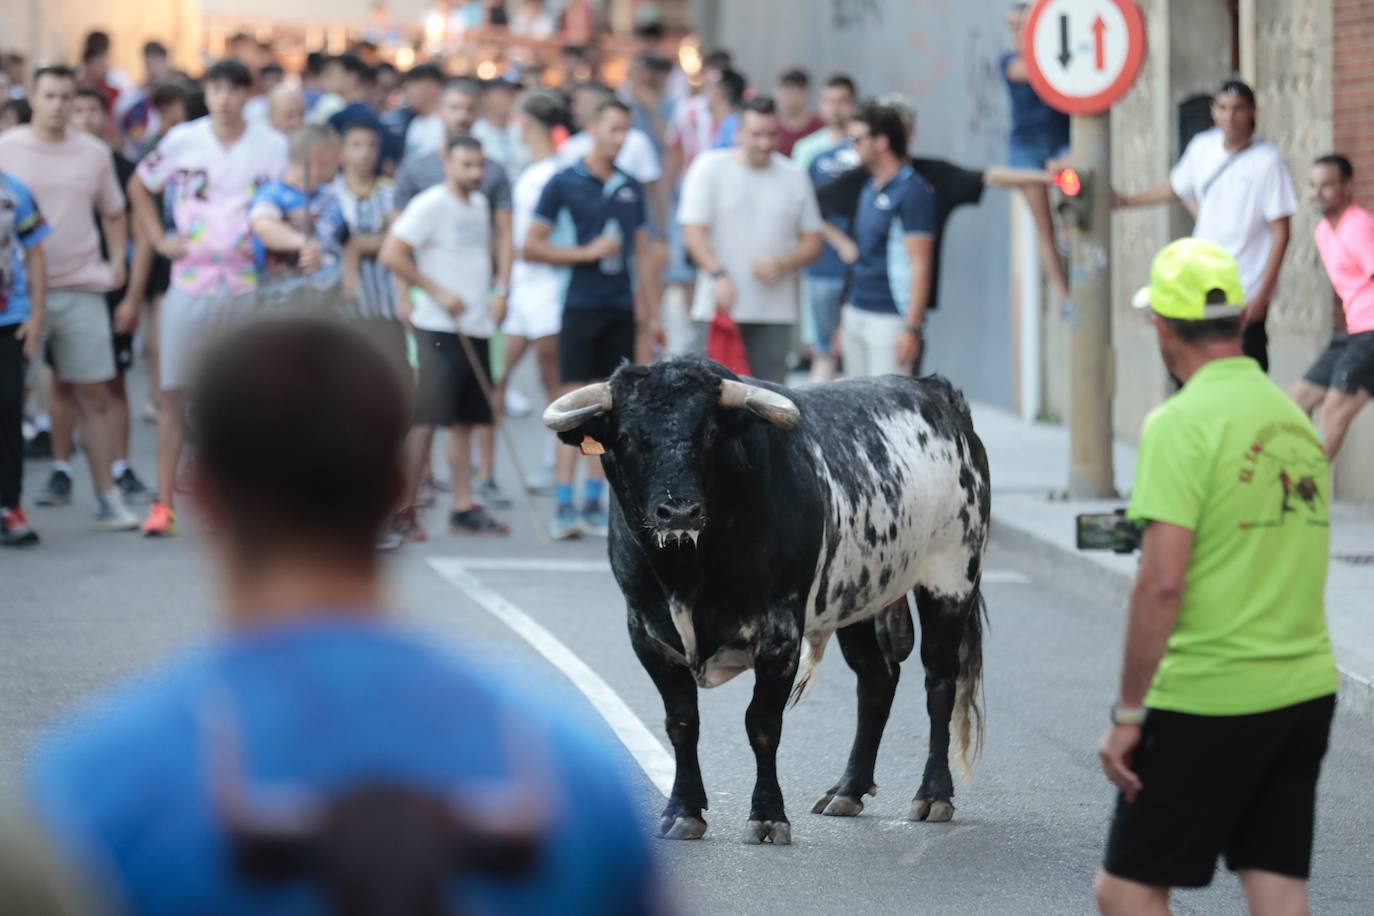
(1228, 684)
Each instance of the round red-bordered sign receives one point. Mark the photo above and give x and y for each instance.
(1098, 101)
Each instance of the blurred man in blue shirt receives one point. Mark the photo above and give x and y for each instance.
(318, 752)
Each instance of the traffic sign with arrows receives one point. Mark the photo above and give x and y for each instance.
(1083, 55)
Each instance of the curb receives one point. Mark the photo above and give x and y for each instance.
(1355, 693)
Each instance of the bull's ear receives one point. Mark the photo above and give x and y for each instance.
(598, 429)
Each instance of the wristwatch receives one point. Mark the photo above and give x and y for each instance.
(718, 273)
(501, 292)
(918, 330)
(1127, 715)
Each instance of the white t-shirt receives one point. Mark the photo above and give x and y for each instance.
(749, 214)
(502, 145)
(532, 282)
(451, 238)
(637, 157)
(426, 134)
(1236, 202)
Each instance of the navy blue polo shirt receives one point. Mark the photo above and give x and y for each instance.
(886, 217)
(826, 167)
(579, 207)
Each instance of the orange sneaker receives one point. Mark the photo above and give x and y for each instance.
(161, 521)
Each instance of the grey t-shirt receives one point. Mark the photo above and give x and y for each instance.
(750, 214)
(423, 172)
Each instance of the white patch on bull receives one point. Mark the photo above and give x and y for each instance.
(686, 630)
(928, 550)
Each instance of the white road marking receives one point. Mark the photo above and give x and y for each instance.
(534, 564)
(647, 751)
(1005, 577)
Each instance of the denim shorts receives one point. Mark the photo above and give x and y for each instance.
(823, 301)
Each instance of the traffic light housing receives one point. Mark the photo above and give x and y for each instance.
(1073, 197)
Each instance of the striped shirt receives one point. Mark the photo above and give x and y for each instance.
(366, 216)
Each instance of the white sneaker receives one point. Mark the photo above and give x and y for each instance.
(517, 405)
(113, 515)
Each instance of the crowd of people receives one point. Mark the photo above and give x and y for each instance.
(462, 223)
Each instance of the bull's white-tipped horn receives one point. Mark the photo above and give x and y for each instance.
(769, 405)
(574, 408)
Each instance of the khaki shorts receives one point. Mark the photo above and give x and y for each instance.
(187, 324)
(77, 329)
(869, 343)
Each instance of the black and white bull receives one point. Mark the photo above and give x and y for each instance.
(752, 522)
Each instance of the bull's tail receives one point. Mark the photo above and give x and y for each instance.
(968, 690)
(812, 651)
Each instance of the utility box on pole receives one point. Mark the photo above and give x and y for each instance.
(1082, 56)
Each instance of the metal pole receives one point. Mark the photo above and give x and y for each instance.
(1091, 364)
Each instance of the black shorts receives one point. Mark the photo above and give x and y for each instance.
(1254, 342)
(594, 342)
(1347, 364)
(447, 390)
(1243, 786)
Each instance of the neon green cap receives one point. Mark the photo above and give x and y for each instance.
(1193, 280)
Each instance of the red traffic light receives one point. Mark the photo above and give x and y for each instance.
(1068, 182)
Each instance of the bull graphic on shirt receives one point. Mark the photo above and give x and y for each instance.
(1287, 460)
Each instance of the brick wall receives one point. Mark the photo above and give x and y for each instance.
(1353, 91)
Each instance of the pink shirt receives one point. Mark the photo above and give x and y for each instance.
(210, 187)
(1348, 253)
(71, 180)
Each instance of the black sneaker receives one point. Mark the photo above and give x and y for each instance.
(40, 446)
(58, 492)
(131, 486)
(475, 521)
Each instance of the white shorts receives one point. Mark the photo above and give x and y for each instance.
(536, 310)
(868, 343)
(187, 324)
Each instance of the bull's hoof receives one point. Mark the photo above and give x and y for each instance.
(681, 827)
(779, 833)
(838, 806)
(834, 804)
(935, 812)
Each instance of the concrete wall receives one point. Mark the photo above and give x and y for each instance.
(943, 55)
(52, 30)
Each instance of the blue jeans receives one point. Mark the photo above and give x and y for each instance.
(823, 299)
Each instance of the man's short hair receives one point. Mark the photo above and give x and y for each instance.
(169, 93)
(655, 61)
(1237, 87)
(56, 71)
(468, 87)
(298, 426)
(352, 65)
(884, 121)
(314, 63)
(719, 59)
(424, 73)
(154, 49)
(23, 112)
(86, 92)
(796, 78)
(96, 42)
(611, 104)
(733, 83)
(371, 127)
(306, 139)
(543, 107)
(1341, 163)
(267, 70)
(842, 81)
(1208, 331)
(464, 141)
(760, 105)
(230, 71)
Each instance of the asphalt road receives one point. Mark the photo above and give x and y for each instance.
(87, 608)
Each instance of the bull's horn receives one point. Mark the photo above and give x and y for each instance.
(771, 406)
(572, 409)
